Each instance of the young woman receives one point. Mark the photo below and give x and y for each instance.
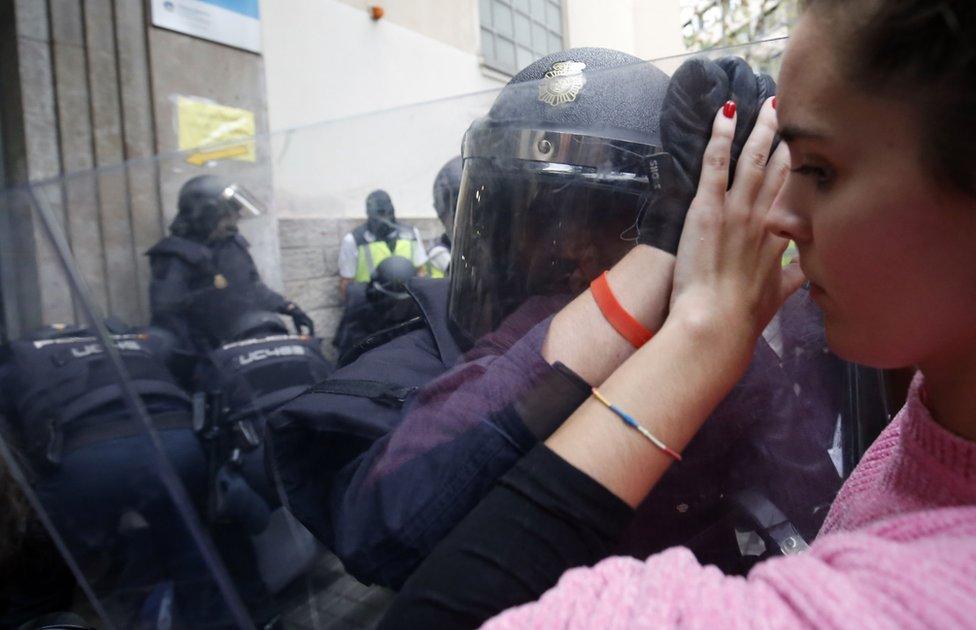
(878, 189)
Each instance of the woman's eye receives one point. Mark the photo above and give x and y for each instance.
(821, 175)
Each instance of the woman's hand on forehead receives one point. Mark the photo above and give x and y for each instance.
(728, 271)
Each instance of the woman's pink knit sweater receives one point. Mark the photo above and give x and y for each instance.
(898, 550)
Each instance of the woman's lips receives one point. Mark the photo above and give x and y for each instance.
(816, 291)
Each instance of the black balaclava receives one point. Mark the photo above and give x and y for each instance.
(380, 217)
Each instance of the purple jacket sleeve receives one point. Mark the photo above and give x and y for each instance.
(395, 502)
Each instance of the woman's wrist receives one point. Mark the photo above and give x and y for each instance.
(642, 284)
(581, 338)
(725, 336)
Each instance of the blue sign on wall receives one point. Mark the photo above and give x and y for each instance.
(244, 7)
(232, 22)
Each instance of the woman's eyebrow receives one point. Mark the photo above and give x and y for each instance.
(789, 133)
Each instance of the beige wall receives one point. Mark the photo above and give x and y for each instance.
(648, 29)
(453, 22)
(89, 83)
(657, 29)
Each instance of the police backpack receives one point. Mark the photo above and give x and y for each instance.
(65, 393)
(256, 376)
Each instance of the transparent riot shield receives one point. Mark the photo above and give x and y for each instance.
(185, 446)
(98, 436)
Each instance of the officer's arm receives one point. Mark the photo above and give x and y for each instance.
(395, 502)
(344, 287)
(169, 286)
(261, 294)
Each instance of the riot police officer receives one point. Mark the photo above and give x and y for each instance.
(447, 186)
(93, 463)
(202, 273)
(363, 249)
(382, 303)
(561, 178)
(526, 239)
(260, 367)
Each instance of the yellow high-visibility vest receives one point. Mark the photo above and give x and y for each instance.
(372, 254)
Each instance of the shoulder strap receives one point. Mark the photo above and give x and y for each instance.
(377, 339)
(359, 235)
(386, 394)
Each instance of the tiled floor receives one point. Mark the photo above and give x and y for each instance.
(329, 599)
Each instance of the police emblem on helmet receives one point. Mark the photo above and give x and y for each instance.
(562, 84)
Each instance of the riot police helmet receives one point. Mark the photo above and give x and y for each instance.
(447, 185)
(254, 324)
(390, 278)
(380, 214)
(209, 207)
(554, 179)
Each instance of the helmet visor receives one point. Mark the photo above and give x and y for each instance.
(534, 229)
(241, 200)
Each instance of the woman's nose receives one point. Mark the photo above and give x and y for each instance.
(786, 220)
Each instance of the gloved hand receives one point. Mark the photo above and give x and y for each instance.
(696, 92)
(300, 319)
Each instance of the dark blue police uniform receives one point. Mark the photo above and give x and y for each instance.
(250, 378)
(197, 289)
(95, 470)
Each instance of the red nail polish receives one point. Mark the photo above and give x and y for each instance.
(775, 102)
(729, 109)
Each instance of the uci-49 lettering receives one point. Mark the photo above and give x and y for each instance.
(267, 353)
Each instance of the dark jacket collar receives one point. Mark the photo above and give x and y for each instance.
(431, 296)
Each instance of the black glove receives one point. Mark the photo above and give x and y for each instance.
(300, 319)
(696, 92)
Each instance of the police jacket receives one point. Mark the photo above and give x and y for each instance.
(255, 376)
(315, 436)
(398, 482)
(358, 319)
(196, 289)
(62, 394)
(329, 444)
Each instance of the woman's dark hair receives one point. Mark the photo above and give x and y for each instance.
(922, 51)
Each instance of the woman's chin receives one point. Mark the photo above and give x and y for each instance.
(859, 346)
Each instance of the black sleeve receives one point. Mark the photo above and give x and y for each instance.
(167, 291)
(542, 518)
(270, 299)
(261, 294)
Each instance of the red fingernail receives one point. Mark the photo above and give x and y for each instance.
(775, 102)
(729, 109)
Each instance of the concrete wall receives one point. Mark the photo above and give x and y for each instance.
(453, 22)
(649, 29)
(187, 66)
(327, 60)
(367, 79)
(88, 84)
(62, 114)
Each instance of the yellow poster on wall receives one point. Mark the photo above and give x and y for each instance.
(214, 128)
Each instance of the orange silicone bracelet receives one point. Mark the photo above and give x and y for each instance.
(622, 321)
